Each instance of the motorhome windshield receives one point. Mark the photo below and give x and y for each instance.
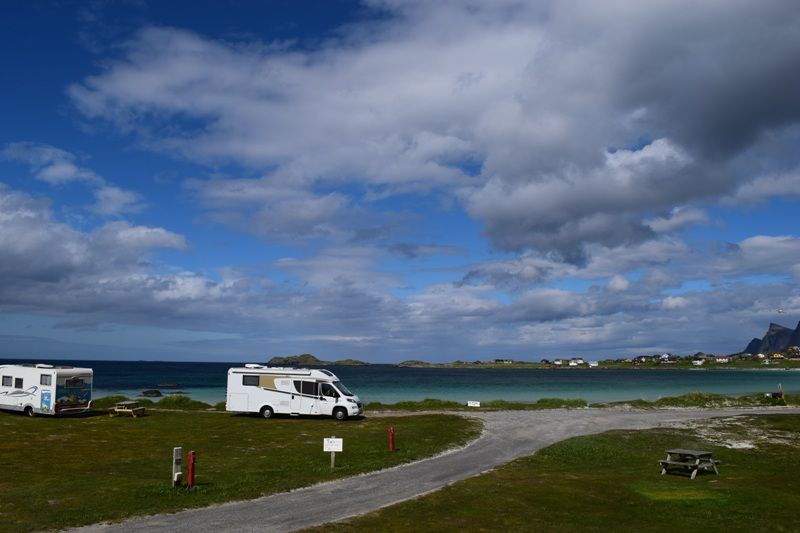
(342, 388)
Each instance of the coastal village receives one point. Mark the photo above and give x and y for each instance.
(778, 348)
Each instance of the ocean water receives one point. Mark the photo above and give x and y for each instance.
(388, 384)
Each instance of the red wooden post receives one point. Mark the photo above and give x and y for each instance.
(192, 459)
(391, 439)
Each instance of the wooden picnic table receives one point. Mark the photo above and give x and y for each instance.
(694, 460)
(127, 408)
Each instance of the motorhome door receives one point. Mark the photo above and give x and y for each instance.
(305, 399)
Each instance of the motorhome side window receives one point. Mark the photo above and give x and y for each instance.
(6, 381)
(17, 383)
(306, 387)
(329, 391)
(46, 379)
(250, 381)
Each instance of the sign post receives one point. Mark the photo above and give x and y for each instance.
(177, 454)
(332, 445)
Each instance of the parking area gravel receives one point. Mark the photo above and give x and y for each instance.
(507, 436)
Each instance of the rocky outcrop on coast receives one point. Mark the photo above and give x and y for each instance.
(777, 339)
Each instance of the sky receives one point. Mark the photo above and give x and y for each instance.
(391, 180)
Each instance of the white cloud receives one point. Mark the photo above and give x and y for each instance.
(678, 218)
(674, 302)
(115, 201)
(36, 247)
(618, 283)
(782, 185)
(534, 95)
(50, 164)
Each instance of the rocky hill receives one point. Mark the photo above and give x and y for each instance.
(777, 339)
(307, 359)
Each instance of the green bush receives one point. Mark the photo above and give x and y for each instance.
(179, 401)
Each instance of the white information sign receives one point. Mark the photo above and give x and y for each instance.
(473, 404)
(332, 445)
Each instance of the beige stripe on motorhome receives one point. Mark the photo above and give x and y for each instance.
(268, 382)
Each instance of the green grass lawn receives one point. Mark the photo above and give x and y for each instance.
(60, 472)
(612, 482)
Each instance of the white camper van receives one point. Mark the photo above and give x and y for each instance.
(45, 389)
(295, 391)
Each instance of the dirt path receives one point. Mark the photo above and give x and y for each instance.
(507, 435)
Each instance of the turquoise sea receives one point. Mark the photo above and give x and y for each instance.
(388, 384)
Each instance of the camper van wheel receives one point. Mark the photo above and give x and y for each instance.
(29, 411)
(339, 414)
(267, 411)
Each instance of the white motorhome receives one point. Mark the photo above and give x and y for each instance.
(45, 389)
(295, 391)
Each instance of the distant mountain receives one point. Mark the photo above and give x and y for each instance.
(414, 363)
(307, 359)
(778, 339)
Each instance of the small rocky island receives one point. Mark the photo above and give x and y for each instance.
(307, 359)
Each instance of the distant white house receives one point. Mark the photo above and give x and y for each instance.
(593, 364)
(761, 356)
(558, 362)
(573, 363)
(722, 359)
(698, 362)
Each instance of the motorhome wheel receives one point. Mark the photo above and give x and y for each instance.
(267, 411)
(29, 411)
(339, 414)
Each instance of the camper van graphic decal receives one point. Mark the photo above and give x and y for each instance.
(20, 393)
(75, 392)
(47, 401)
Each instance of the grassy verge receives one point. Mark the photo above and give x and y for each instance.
(693, 399)
(173, 401)
(612, 482)
(706, 400)
(431, 404)
(62, 472)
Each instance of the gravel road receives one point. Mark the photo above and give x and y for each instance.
(507, 435)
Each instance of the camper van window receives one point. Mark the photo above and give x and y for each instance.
(74, 383)
(342, 388)
(250, 381)
(329, 391)
(17, 383)
(6, 381)
(305, 387)
(46, 379)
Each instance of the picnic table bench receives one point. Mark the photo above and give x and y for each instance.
(126, 408)
(693, 460)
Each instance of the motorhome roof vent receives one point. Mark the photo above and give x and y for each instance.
(252, 365)
(42, 365)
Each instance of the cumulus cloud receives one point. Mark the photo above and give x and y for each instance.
(50, 164)
(38, 248)
(618, 283)
(547, 100)
(581, 136)
(112, 200)
(674, 302)
(678, 218)
(781, 185)
(58, 167)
